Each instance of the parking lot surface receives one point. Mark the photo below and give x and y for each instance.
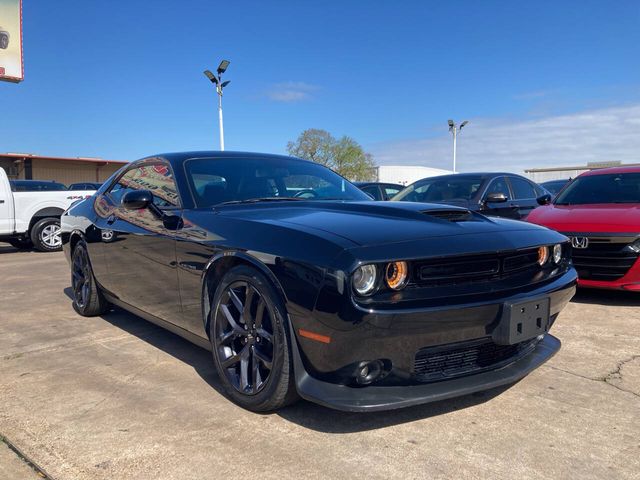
(117, 397)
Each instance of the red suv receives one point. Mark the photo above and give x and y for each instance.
(600, 212)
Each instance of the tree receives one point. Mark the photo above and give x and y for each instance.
(345, 156)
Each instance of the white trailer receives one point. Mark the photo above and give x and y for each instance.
(406, 174)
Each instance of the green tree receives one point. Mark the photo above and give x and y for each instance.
(343, 155)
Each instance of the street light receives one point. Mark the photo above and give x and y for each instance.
(453, 128)
(217, 81)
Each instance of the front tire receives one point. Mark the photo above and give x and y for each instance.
(251, 350)
(45, 235)
(88, 300)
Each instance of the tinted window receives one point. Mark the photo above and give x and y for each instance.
(444, 188)
(215, 181)
(607, 188)
(155, 178)
(555, 186)
(522, 188)
(372, 190)
(499, 185)
(391, 191)
(35, 186)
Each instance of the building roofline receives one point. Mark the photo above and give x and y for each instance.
(17, 156)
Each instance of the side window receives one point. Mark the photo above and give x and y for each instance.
(499, 185)
(521, 188)
(155, 178)
(373, 191)
(391, 191)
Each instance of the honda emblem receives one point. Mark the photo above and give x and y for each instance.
(579, 242)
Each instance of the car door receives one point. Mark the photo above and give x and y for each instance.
(499, 209)
(7, 224)
(524, 195)
(139, 245)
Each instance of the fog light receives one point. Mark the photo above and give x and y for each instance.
(543, 255)
(369, 372)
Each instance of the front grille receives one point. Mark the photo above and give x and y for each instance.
(605, 258)
(474, 268)
(466, 358)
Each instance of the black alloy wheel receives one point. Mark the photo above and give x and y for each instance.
(87, 298)
(249, 342)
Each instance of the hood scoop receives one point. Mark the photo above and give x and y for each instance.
(457, 215)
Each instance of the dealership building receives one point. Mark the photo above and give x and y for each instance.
(560, 173)
(66, 170)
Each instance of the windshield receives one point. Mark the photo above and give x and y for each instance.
(607, 188)
(555, 186)
(438, 189)
(214, 181)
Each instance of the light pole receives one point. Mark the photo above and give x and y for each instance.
(453, 128)
(217, 81)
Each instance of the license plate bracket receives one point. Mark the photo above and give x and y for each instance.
(522, 321)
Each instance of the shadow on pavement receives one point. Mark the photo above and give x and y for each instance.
(303, 413)
(607, 297)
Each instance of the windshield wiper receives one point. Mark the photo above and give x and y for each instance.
(262, 199)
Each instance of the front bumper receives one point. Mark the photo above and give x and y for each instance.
(630, 281)
(374, 398)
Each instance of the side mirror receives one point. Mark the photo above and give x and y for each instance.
(544, 199)
(496, 198)
(137, 199)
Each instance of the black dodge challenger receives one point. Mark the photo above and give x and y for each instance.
(302, 286)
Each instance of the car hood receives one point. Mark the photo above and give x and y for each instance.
(373, 223)
(614, 218)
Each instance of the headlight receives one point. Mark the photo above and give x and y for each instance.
(557, 253)
(396, 275)
(364, 279)
(543, 255)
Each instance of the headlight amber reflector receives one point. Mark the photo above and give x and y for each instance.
(543, 255)
(396, 275)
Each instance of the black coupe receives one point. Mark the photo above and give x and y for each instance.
(301, 286)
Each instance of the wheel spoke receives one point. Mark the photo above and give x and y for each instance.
(255, 372)
(244, 368)
(262, 333)
(231, 321)
(260, 313)
(248, 300)
(226, 337)
(236, 301)
(232, 360)
(266, 361)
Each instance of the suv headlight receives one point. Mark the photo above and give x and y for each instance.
(364, 279)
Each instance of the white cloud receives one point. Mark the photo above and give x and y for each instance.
(291, 91)
(606, 134)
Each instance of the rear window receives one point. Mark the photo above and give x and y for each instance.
(35, 186)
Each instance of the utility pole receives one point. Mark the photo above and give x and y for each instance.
(217, 81)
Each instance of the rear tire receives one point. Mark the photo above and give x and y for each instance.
(21, 243)
(251, 349)
(45, 235)
(88, 300)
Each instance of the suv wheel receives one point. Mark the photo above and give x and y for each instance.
(45, 235)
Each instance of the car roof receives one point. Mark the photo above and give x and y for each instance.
(611, 170)
(181, 156)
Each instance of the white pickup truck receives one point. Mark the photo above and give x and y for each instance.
(32, 219)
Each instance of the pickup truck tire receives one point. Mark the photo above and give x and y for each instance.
(88, 300)
(45, 235)
(21, 243)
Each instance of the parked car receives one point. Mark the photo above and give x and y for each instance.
(495, 194)
(36, 186)
(30, 212)
(300, 285)
(85, 186)
(4, 39)
(554, 186)
(379, 191)
(600, 212)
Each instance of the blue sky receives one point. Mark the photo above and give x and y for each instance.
(124, 80)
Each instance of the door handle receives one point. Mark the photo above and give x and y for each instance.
(111, 219)
(1, 201)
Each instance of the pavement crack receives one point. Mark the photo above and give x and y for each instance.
(615, 374)
(27, 461)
